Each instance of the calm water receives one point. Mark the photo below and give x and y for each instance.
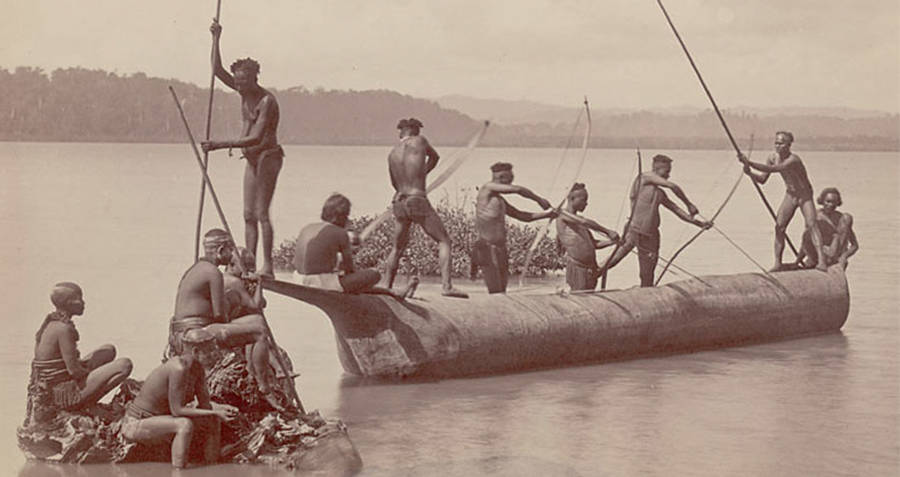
(119, 219)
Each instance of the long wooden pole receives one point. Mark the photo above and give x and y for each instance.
(721, 119)
(206, 180)
(212, 85)
(215, 198)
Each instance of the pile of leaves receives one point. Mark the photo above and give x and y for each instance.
(259, 434)
(421, 257)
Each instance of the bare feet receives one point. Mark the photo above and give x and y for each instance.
(777, 267)
(454, 293)
(410, 288)
(822, 266)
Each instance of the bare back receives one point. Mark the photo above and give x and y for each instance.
(317, 247)
(49, 346)
(200, 291)
(154, 393)
(490, 216)
(408, 165)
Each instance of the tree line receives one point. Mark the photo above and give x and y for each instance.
(82, 105)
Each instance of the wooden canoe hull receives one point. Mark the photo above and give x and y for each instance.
(442, 337)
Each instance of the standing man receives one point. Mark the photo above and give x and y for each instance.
(259, 142)
(798, 193)
(323, 254)
(160, 409)
(60, 378)
(573, 234)
(408, 163)
(839, 241)
(489, 251)
(643, 229)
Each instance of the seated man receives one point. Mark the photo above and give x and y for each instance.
(316, 255)
(836, 228)
(200, 303)
(160, 413)
(60, 379)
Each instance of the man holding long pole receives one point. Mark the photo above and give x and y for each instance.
(259, 141)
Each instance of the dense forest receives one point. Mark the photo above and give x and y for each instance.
(80, 105)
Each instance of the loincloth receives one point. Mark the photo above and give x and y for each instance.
(645, 242)
(323, 281)
(411, 207)
(50, 389)
(177, 328)
(486, 254)
(580, 276)
(256, 156)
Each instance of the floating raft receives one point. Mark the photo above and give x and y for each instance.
(380, 336)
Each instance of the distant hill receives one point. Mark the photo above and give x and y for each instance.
(80, 105)
(510, 112)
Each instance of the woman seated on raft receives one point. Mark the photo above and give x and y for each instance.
(160, 411)
(60, 379)
(839, 242)
(323, 257)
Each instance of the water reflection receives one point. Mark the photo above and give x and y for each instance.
(635, 417)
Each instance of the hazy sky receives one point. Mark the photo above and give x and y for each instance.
(621, 53)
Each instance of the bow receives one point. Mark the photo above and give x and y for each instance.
(445, 174)
(543, 231)
(711, 219)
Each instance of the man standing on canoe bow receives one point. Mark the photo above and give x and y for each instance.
(259, 142)
(489, 251)
(408, 163)
(798, 193)
(643, 228)
(573, 234)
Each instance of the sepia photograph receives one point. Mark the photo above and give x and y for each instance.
(450, 238)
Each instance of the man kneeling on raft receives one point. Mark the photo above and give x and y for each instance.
(318, 247)
(160, 411)
(201, 303)
(60, 378)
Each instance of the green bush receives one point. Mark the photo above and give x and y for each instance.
(421, 256)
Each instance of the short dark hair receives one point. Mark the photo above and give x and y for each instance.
(62, 292)
(575, 188)
(829, 190)
(787, 134)
(501, 166)
(662, 158)
(336, 205)
(247, 64)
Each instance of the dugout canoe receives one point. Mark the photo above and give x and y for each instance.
(444, 337)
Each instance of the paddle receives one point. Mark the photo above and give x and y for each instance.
(722, 119)
(440, 179)
(212, 84)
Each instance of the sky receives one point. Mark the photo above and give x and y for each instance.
(620, 53)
